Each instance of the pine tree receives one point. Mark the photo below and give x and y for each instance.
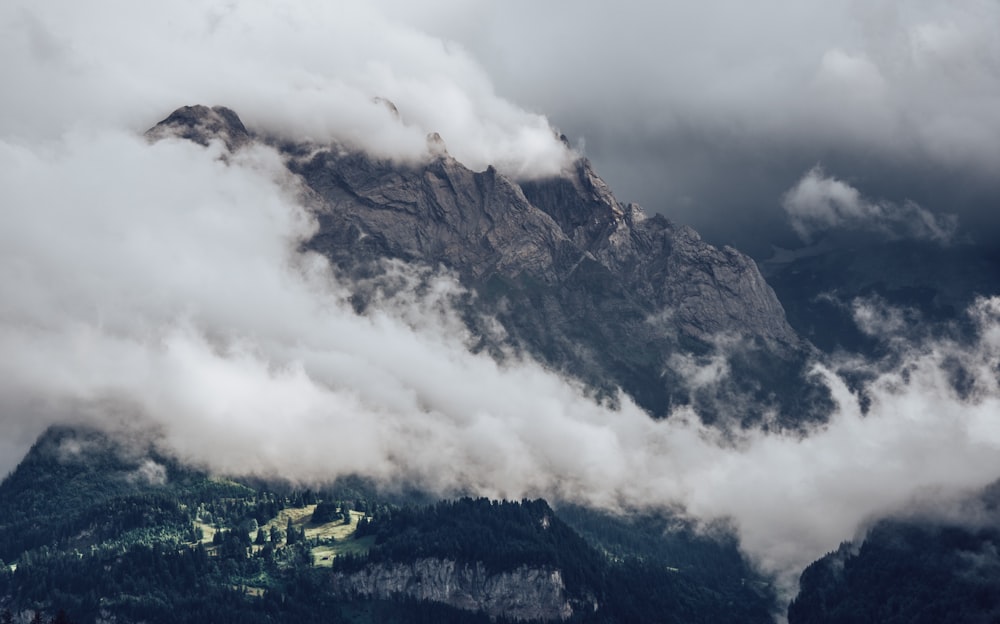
(61, 618)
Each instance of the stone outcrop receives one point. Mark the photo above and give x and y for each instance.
(523, 593)
(202, 124)
(592, 287)
(669, 267)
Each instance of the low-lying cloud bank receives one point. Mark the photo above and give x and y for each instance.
(160, 285)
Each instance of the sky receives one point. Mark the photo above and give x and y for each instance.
(709, 112)
(162, 285)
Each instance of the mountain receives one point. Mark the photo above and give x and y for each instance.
(592, 287)
(101, 528)
(107, 528)
(932, 284)
(914, 570)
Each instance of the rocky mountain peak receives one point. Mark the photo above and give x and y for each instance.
(580, 202)
(582, 282)
(202, 124)
(710, 290)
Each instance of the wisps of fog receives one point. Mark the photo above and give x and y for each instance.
(820, 202)
(900, 97)
(160, 285)
(307, 69)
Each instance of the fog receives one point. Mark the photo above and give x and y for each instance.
(308, 70)
(819, 203)
(161, 285)
(899, 98)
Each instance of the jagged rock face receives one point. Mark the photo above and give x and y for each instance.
(201, 124)
(591, 287)
(670, 268)
(523, 593)
(479, 224)
(484, 226)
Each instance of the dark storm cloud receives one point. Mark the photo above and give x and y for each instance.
(710, 111)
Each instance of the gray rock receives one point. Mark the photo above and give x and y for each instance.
(593, 288)
(523, 593)
(708, 290)
(202, 124)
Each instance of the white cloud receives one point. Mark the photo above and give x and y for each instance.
(161, 285)
(819, 202)
(680, 96)
(873, 316)
(873, 76)
(306, 69)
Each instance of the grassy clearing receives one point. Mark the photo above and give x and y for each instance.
(335, 530)
(323, 556)
(256, 592)
(341, 534)
(335, 538)
(207, 532)
(300, 520)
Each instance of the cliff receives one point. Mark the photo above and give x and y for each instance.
(592, 287)
(523, 593)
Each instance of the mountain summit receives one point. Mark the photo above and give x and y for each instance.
(592, 287)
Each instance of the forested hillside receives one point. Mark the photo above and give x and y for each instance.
(94, 527)
(913, 570)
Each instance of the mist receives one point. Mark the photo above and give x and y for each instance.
(163, 286)
(899, 98)
(819, 203)
(307, 70)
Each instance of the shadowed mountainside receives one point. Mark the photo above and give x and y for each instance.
(913, 570)
(593, 288)
(100, 526)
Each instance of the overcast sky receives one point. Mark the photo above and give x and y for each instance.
(710, 111)
(162, 285)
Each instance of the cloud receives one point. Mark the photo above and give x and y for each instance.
(307, 69)
(904, 95)
(161, 285)
(819, 202)
(878, 319)
(900, 95)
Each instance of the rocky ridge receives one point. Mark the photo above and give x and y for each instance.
(592, 287)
